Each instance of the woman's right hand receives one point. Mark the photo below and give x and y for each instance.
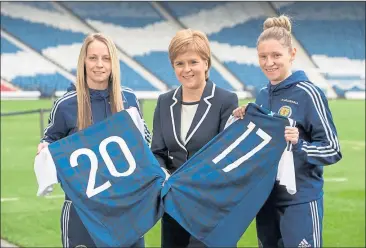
(41, 146)
(239, 112)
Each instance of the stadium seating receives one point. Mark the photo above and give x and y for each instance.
(133, 16)
(29, 32)
(232, 40)
(333, 33)
(141, 20)
(29, 72)
(8, 47)
(41, 5)
(58, 43)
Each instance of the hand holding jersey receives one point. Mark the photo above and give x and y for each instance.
(291, 133)
(41, 146)
(239, 112)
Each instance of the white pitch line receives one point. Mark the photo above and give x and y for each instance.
(9, 199)
(353, 142)
(17, 198)
(54, 196)
(335, 179)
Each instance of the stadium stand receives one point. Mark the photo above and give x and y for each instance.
(28, 71)
(135, 18)
(342, 26)
(128, 19)
(58, 43)
(143, 33)
(48, 35)
(42, 5)
(224, 22)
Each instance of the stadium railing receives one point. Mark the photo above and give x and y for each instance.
(41, 113)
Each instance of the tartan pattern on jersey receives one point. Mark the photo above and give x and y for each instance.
(217, 206)
(213, 205)
(121, 214)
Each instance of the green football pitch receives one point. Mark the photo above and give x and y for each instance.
(31, 221)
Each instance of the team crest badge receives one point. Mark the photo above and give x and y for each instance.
(285, 111)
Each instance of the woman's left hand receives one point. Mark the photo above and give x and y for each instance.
(292, 134)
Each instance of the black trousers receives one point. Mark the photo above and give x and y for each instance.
(174, 235)
(74, 233)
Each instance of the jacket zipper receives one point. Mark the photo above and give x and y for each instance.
(270, 99)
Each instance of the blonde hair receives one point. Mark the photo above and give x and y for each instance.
(190, 39)
(278, 28)
(84, 118)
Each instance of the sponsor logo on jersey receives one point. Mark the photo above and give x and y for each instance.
(290, 101)
(285, 111)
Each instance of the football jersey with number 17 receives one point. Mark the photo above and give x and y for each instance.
(218, 192)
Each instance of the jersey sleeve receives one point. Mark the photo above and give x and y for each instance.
(323, 146)
(146, 133)
(139, 122)
(56, 128)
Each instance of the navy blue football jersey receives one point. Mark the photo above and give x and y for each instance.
(218, 192)
(112, 178)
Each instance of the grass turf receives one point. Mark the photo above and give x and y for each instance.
(30, 221)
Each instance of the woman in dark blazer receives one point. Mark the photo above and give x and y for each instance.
(188, 117)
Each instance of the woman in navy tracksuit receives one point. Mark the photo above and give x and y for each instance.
(97, 95)
(294, 220)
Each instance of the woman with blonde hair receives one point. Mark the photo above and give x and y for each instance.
(296, 220)
(96, 96)
(188, 117)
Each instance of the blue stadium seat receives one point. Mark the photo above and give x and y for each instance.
(127, 14)
(166, 72)
(137, 15)
(340, 24)
(180, 9)
(8, 47)
(159, 64)
(244, 34)
(254, 77)
(39, 36)
(131, 79)
(47, 84)
(41, 5)
(30, 33)
(333, 29)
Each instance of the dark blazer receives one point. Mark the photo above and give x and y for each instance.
(214, 109)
